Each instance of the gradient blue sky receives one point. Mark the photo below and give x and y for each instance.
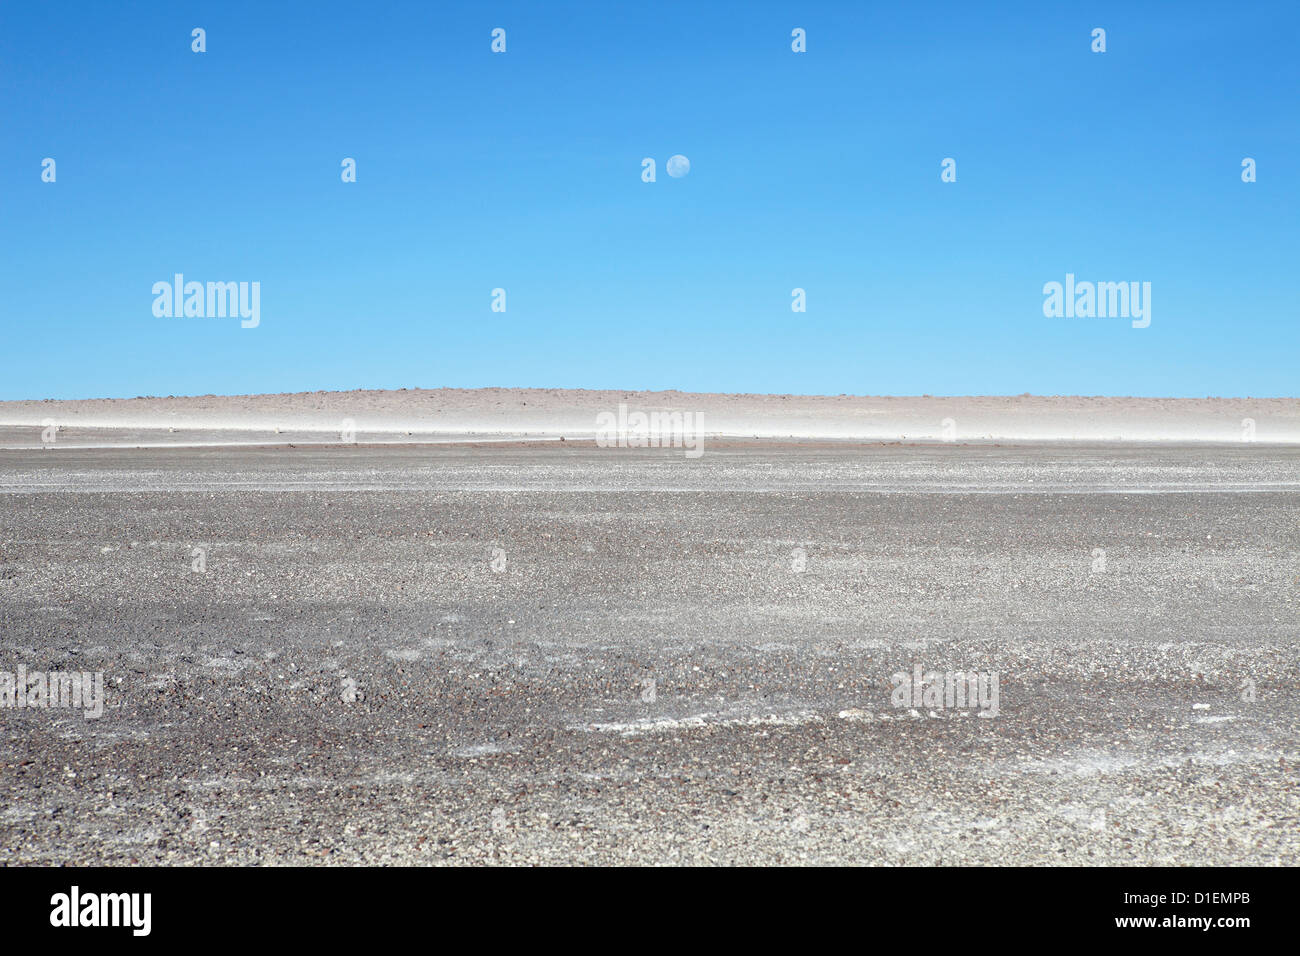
(522, 170)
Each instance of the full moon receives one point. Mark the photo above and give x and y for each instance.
(678, 166)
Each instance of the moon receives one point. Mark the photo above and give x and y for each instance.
(678, 166)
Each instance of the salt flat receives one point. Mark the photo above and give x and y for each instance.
(419, 415)
(554, 652)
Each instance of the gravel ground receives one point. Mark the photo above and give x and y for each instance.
(561, 654)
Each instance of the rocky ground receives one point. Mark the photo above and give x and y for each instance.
(563, 654)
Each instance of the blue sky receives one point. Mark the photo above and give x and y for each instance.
(522, 171)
